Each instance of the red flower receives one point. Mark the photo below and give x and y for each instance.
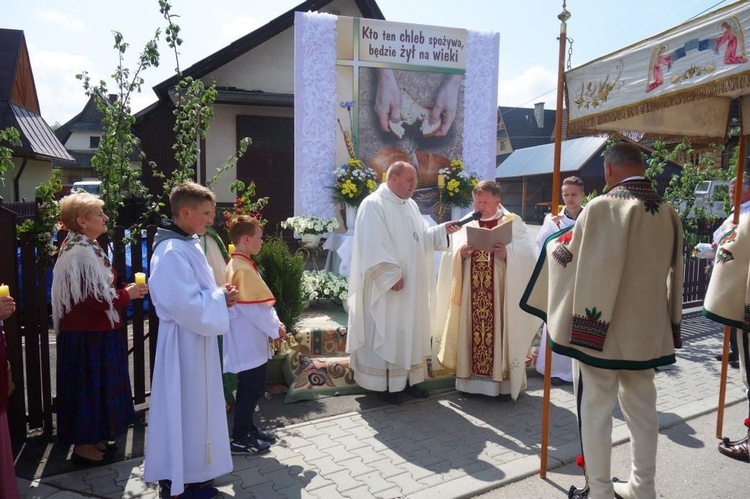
(580, 462)
(747, 422)
(565, 238)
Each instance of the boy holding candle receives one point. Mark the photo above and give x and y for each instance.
(251, 324)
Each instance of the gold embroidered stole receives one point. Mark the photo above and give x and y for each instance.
(482, 309)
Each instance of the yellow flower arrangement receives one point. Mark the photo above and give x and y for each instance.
(354, 181)
(458, 183)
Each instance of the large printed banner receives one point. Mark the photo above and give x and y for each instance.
(676, 83)
(381, 92)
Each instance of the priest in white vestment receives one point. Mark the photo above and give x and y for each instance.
(391, 284)
(480, 330)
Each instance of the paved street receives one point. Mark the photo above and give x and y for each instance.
(450, 445)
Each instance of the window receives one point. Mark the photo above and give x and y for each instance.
(94, 142)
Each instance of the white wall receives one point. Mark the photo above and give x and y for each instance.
(80, 141)
(35, 173)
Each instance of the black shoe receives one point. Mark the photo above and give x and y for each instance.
(416, 392)
(249, 445)
(738, 450)
(268, 436)
(576, 493)
(734, 364)
(733, 357)
(389, 398)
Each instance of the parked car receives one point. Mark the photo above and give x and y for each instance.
(91, 186)
(710, 195)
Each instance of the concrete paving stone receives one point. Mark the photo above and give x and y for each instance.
(352, 421)
(323, 442)
(430, 459)
(282, 452)
(34, 489)
(282, 478)
(392, 493)
(262, 490)
(375, 483)
(406, 483)
(65, 494)
(393, 456)
(317, 481)
(325, 465)
(68, 481)
(355, 467)
(431, 480)
(296, 441)
(295, 493)
(343, 480)
(418, 471)
(267, 464)
(340, 454)
(97, 472)
(240, 463)
(351, 442)
(310, 453)
(358, 493)
(127, 470)
(104, 485)
(136, 487)
(327, 492)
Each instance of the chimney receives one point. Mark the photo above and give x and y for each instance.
(539, 114)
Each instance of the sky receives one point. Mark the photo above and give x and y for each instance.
(66, 38)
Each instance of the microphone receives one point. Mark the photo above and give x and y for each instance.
(468, 218)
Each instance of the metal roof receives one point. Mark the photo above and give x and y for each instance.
(42, 142)
(538, 160)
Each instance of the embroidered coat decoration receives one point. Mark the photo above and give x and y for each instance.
(728, 295)
(610, 288)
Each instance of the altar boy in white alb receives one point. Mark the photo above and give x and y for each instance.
(390, 287)
(610, 290)
(188, 440)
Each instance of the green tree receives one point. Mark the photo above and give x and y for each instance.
(12, 137)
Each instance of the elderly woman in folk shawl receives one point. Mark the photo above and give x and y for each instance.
(93, 388)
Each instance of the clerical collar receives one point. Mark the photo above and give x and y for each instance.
(498, 214)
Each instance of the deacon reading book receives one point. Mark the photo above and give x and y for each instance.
(484, 239)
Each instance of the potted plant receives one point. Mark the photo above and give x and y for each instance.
(324, 285)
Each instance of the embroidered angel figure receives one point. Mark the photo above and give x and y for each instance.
(734, 39)
(655, 73)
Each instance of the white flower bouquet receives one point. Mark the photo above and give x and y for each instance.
(310, 225)
(321, 284)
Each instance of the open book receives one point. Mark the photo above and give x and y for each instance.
(485, 239)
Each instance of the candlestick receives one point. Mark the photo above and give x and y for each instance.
(4, 291)
(231, 248)
(140, 278)
(441, 180)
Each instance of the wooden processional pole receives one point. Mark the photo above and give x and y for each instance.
(563, 17)
(738, 188)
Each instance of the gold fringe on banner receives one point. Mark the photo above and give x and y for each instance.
(734, 85)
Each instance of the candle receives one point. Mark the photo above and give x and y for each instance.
(140, 278)
(4, 291)
(441, 180)
(385, 177)
(231, 248)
